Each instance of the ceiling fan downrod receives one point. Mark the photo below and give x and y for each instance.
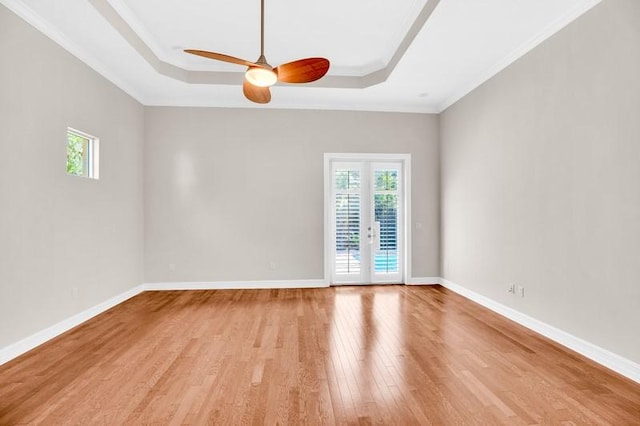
(260, 75)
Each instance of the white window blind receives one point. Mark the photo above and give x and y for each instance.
(347, 204)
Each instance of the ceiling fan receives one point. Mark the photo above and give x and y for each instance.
(260, 75)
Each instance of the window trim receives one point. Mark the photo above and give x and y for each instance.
(92, 152)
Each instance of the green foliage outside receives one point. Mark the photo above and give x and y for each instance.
(386, 205)
(387, 181)
(386, 208)
(347, 179)
(76, 151)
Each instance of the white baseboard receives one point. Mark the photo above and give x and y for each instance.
(236, 285)
(422, 281)
(602, 356)
(25, 345)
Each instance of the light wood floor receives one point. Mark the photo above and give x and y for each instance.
(363, 355)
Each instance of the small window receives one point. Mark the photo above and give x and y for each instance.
(82, 154)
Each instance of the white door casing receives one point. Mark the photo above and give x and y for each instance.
(367, 207)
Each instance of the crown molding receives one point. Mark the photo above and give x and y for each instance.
(148, 51)
(519, 52)
(36, 21)
(121, 19)
(213, 103)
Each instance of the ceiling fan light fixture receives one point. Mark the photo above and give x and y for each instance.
(261, 77)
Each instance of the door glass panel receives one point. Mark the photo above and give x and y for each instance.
(366, 222)
(347, 221)
(386, 218)
(386, 180)
(347, 179)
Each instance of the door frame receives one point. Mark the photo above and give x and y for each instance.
(405, 160)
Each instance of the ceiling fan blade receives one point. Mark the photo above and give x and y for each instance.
(302, 70)
(221, 57)
(259, 95)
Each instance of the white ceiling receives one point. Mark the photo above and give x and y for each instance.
(384, 56)
(294, 29)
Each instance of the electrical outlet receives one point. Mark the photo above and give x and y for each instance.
(272, 265)
(172, 267)
(521, 291)
(512, 289)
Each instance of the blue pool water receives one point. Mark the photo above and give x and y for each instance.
(384, 262)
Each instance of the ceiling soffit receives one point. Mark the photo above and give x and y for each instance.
(120, 24)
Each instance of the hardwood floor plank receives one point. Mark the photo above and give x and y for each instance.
(345, 355)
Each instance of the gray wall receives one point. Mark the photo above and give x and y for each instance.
(541, 181)
(229, 190)
(57, 232)
(539, 185)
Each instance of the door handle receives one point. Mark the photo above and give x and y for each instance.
(373, 234)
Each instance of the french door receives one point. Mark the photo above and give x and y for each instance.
(367, 226)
